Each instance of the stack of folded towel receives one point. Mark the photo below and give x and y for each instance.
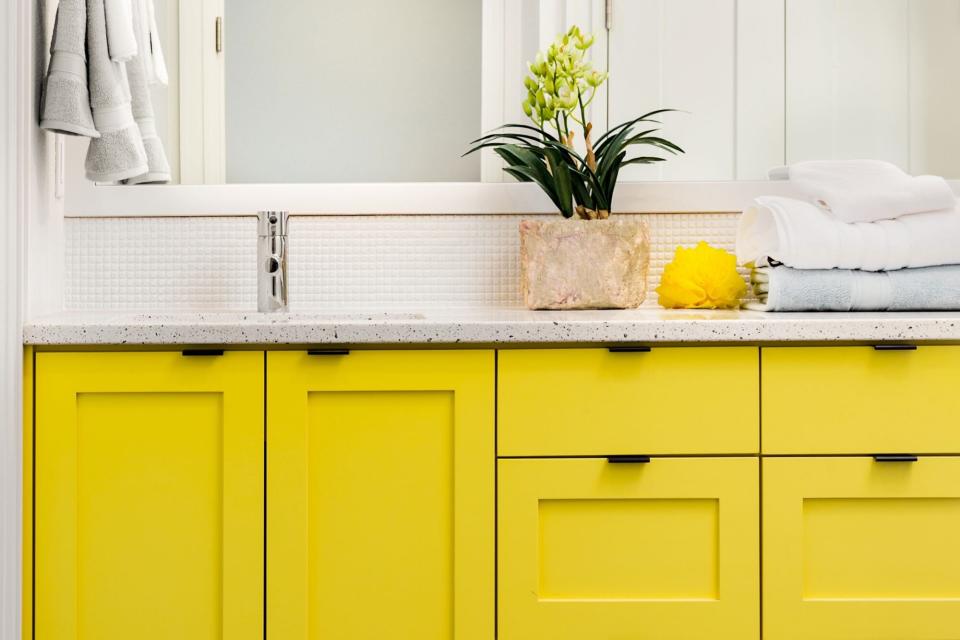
(105, 54)
(862, 236)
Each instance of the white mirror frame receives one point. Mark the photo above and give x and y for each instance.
(84, 199)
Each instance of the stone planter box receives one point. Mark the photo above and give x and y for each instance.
(584, 264)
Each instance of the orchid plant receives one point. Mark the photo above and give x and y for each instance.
(560, 88)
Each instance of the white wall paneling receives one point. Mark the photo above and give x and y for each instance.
(934, 89)
(760, 83)
(721, 62)
(14, 28)
(202, 94)
(874, 79)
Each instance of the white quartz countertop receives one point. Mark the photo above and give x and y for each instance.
(488, 327)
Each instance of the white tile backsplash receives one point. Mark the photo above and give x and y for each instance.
(336, 263)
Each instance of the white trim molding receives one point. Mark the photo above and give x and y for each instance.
(14, 33)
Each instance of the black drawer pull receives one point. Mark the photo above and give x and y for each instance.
(328, 352)
(895, 458)
(628, 459)
(202, 353)
(894, 347)
(629, 349)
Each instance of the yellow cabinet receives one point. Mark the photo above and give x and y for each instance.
(576, 402)
(591, 549)
(860, 400)
(149, 496)
(861, 550)
(380, 508)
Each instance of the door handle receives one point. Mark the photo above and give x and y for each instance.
(895, 458)
(894, 347)
(328, 352)
(202, 353)
(629, 349)
(628, 459)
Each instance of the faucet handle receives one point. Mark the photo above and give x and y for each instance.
(272, 223)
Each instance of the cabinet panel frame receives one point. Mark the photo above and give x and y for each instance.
(787, 482)
(292, 375)
(732, 481)
(60, 378)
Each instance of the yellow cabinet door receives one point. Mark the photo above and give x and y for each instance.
(592, 550)
(582, 402)
(860, 400)
(861, 550)
(149, 496)
(380, 498)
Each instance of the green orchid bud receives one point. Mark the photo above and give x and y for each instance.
(549, 85)
(586, 42)
(530, 84)
(528, 108)
(541, 99)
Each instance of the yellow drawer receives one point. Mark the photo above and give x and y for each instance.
(658, 551)
(861, 550)
(858, 400)
(582, 402)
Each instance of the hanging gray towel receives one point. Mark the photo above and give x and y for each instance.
(65, 106)
(159, 168)
(118, 154)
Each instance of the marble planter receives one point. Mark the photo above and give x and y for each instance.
(584, 264)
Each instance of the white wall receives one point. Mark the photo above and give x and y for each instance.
(875, 79)
(721, 62)
(10, 326)
(358, 91)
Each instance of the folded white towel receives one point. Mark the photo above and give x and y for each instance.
(65, 106)
(866, 190)
(118, 154)
(786, 289)
(148, 40)
(801, 235)
(121, 39)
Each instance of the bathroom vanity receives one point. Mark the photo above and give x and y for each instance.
(565, 476)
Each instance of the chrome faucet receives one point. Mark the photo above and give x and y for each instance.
(272, 261)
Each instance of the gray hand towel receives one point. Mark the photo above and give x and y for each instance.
(786, 289)
(65, 106)
(159, 168)
(118, 154)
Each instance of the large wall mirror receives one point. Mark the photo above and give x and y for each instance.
(347, 91)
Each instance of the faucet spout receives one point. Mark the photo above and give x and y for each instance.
(272, 261)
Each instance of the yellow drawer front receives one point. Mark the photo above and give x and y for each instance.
(658, 551)
(593, 402)
(861, 550)
(857, 400)
(149, 496)
(380, 509)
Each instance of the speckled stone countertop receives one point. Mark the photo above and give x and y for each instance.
(489, 327)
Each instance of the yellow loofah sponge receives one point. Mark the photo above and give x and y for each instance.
(701, 278)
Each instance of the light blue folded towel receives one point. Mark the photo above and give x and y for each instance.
(926, 289)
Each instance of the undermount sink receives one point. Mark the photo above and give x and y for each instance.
(274, 318)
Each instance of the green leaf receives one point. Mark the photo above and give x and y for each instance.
(643, 160)
(644, 118)
(561, 177)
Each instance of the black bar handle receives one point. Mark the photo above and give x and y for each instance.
(202, 353)
(628, 459)
(629, 349)
(895, 458)
(894, 347)
(328, 352)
